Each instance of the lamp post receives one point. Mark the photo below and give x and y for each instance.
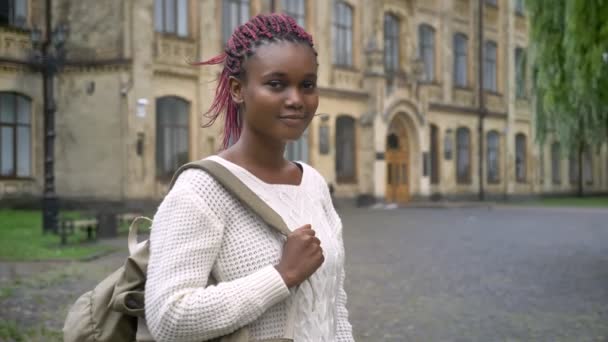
(48, 57)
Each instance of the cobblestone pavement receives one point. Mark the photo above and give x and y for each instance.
(417, 274)
(477, 274)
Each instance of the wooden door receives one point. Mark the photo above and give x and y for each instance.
(397, 165)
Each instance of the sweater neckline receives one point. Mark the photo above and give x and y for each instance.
(254, 177)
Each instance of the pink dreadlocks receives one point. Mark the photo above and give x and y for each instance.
(240, 46)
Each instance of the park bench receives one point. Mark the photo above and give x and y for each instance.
(68, 226)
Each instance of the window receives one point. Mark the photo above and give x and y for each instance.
(298, 150)
(171, 16)
(391, 43)
(13, 13)
(463, 155)
(460, 60)
(520, 157)
(556, 163)
(493, 157)
(172, 132)
(434, 155)
(345, 149)
(573, 168)
(519, 6)
(520, 73)
(343, 34)
(15, 136)
(588, 167)
(235, 13)
(489, 66)
(426, 50)
(492, 2)
(296, 10)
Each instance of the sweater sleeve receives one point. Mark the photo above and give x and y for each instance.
(184, 243)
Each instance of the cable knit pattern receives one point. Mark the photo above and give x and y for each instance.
(199, 229)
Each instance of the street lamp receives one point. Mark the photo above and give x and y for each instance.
(48, 58)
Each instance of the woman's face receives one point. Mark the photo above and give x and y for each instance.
(279, 93)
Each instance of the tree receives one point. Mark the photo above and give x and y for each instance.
(570, 77)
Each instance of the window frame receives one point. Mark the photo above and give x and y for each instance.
(490, 66)
(462, 57)
(11, 14)
(14, 127)
(435, 156)
(495, 149)
(176, 130)
(292, 8)
(392, 53)
(521, 157)
(340, 143)
(520, 7)
(242, 15)
(461, 178)
(342, 34)
(426, 42)
(161, 18)
(520, 73)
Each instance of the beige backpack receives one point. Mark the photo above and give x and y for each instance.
(114, 310)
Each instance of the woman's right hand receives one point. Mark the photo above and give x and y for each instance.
(302, 256)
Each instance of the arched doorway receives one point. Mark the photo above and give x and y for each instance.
(397, 163)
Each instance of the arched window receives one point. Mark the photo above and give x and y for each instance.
(343, 34)
(15, 135)
(345, 150)
(493, 157)
(463, 155)
(520, 157)
(556, 163)
(426, 50)
(460, 60)
(434, 154)
(172, 134)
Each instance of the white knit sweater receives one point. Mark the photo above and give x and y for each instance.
(200, 229)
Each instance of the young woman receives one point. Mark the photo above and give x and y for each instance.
(268, 92)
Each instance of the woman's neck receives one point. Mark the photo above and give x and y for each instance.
(257, 152)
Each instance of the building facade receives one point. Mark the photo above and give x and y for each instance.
(399, 114)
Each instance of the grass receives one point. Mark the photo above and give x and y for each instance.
(10, 331)
(21, 239)
(581, 202)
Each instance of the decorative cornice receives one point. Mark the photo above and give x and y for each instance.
(464, 110)
(68, 66)
(343, 93)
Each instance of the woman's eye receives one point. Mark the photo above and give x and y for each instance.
(275, 84)
(309, 85)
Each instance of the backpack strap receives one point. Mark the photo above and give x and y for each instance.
(239, 190)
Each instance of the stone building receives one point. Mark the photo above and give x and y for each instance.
(399, 99)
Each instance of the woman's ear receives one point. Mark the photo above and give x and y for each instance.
(236, 89)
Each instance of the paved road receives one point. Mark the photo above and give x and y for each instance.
(477, 274)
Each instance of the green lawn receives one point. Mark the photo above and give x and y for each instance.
(582, 202)
(21, 238)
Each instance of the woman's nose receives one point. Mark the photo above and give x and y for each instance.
(294, 99)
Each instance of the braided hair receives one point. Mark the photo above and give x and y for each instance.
(259, 30)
